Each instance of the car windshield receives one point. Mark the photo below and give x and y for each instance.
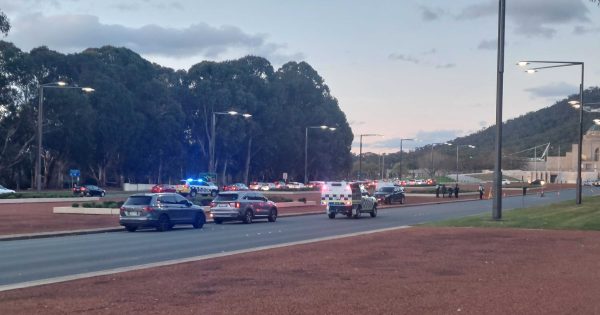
(226, 197)
(138, 200)
(386, 189)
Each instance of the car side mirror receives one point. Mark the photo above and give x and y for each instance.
(188, 203)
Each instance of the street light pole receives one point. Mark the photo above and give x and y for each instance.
(558, 64)
(41, 87)
(306, 147)
(360, 152)
(497, 204)
(432, 166)
(402, 139)
(213, 136)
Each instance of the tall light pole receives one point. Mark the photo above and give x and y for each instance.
(211, 162)
(360, 152)
(458, 146)
(497, 204)
(558, 64)
(323, 127)
(41, 87)
(402, 139)
(432, 165)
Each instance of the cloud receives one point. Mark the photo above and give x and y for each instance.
(446, 66)
(581, 30)
(560, 89)
(491, 44)
(138, 5)
(72, 33)
(404, 57)
(533, 18)
(357, 123)
(430, 14)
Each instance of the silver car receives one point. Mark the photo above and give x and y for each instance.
(242, 206)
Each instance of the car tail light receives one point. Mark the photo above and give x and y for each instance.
(348, 187)
(122, 210)
(324, 188)
(234, 204)
(348, 202)
(82, 188)
(213, 204)
(148, 209)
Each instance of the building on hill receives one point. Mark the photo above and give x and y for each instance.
(563, 169)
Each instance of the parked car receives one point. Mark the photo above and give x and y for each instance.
(89, 190)
(255, 185)
(160, 210)
(315, 184)
(350, 199)
(389, 194)
(160, 188)
(4, 190)
(505, 181)
(596, 183)
(268, 186)
(242, 206)
(193, 187)
(235, 187)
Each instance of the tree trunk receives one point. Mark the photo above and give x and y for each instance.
(224, 172)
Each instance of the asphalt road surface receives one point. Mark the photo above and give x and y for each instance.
(39, 259)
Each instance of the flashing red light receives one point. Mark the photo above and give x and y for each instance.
(324, 188)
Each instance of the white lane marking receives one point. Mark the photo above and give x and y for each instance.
(185, 260)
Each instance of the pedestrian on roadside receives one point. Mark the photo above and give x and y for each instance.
(444, 190)
(481, 189)
(450, 192)
(437, 191)
(456, 189)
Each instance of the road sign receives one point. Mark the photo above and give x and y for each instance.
(284, 176)
(74, 173)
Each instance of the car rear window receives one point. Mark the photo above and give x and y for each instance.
(226, 197)
(138, 200)
(336, 184)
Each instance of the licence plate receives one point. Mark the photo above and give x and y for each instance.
(223, 205)
(132, 213)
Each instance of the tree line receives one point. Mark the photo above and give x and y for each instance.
(152, 124)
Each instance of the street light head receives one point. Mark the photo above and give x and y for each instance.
(332, 128)
(576, 105)
(232, 112)
(61, 83)
(447, 143)
(87, 89)
(531, 71)
(472, 146)
(247, 115)
(597, 121)
(522, 63)
(323, 127)
(573, 103)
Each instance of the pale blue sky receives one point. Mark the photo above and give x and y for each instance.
(405, 69)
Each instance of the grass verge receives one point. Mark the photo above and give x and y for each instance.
(561, 216)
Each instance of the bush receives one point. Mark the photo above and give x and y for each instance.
(75, 205)
(302, 199)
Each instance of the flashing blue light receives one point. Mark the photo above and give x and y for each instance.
(190, 179)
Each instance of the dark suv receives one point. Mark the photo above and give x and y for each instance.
(389, 194)
(161, 211)
(242, 205)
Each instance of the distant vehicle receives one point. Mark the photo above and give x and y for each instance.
(235, 187)
(596, 183)
(160, 188)
(89, 190)
(315, 184)
(349, 199)
(505, 181)
(389, 194)
(161, 211)
(536, 182)
(268, 186)
(193, 187)
(4, 190)
(295, 185)
(242, 206)
(279, 185)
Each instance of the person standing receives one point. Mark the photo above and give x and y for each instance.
(437, 191)
(456, 189)
(444, 190)
(481, 189)
(450, 192)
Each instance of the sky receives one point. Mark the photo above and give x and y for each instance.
(421, 69)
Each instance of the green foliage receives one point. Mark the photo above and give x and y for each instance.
(4, 24)
(50, 194)
(562, 216)
(303, 199)
(75, 205)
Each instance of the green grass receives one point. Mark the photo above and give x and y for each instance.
(42, 194)
(562, 216)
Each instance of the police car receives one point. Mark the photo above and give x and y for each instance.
(347, 198)
(195, 187)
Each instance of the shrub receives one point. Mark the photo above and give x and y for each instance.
(302, 199)
(75, 205)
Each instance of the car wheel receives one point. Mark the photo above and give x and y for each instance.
(388, 201)
(331, 215)
(193, 193)
(218, 221)
(164, 223)
(248, 217)
(102, 194)
(402, 200)
(357, 215)
(199, 221)
(374, 212)
(131, 228)
(272, 215)
(213, 193)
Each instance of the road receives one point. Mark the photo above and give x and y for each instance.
(39, 259)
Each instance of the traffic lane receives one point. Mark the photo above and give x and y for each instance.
(29, 260)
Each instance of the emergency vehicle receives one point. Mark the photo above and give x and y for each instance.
(347, 198)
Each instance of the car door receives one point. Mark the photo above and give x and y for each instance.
(187, 213)
(169, 206)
